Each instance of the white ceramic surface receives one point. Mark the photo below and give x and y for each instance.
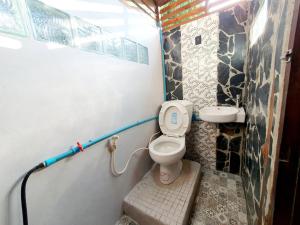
(167, 150)
(218, 114)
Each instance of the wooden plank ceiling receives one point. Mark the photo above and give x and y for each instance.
(173, 13)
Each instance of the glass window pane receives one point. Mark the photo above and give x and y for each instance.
(143, 54)
(88, 36)
(50, 24)
(112, 45)
(130, 50)
(10, 18)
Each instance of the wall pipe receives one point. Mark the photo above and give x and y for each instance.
(90, 143)
(69, 153)
(163, 62)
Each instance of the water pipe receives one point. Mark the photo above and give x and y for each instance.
(74, 150)
(81, 147)
(163, 62)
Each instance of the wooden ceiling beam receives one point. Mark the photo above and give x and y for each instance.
(161, 2)
(177, 11)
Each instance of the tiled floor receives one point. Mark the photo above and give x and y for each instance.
(125, 220)
(220, 201)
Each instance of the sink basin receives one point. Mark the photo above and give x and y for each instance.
(218, 114)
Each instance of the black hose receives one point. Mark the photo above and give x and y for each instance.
(23, 192)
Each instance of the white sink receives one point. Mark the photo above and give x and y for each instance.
(219, 114)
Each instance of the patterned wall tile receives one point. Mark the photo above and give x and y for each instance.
(173, 64)
(199, 62)
(264, 76)
(201, 144)
(199, 80)
(229, 147)
(231, 82)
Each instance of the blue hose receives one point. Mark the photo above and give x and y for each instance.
(163, 62)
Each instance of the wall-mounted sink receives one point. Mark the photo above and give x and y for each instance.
(222, 114)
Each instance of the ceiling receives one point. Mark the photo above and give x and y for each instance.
(179, 12)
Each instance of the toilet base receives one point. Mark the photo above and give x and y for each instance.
(169, 173)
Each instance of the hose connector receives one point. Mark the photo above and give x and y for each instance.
(112, 143)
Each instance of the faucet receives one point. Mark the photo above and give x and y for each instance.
(237, 105)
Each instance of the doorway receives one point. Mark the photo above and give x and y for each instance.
(287, 200)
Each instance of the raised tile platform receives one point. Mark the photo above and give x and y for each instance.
(220, 201)
(151, 202)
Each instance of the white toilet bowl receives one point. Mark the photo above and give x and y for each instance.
(167, 150)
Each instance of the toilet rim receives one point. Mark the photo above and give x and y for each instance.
(165, 138)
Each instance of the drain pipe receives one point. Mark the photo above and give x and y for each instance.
(112, 147)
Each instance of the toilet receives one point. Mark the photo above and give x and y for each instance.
(167, 150)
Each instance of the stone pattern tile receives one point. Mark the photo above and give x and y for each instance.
(229, 147)
(232, 54)
(201, 144)
(151, 202)
(231, 82)
(199, 79)
(263, 97)
(173, 65)
(126, 220)
(220, 200)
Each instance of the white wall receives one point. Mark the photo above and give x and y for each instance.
(49, 99)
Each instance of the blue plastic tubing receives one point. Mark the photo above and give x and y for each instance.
(163, 62)
(74, 150)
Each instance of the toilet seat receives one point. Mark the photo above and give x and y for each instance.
(174, 119)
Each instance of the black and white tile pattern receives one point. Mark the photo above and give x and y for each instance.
(229, 147)
(126, 220)
(209, 72)
(231, 82)
(264, 77)
(220, 200)
(199, 79)
(231, 53)
(173, 64)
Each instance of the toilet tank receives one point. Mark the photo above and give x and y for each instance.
(189, 106)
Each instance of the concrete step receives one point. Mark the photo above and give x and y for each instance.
(153, 203)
